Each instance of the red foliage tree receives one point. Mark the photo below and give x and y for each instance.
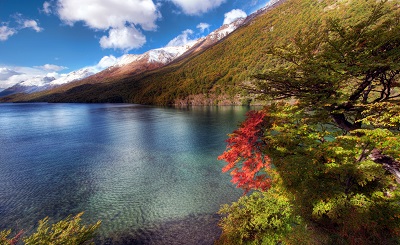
(244, 154)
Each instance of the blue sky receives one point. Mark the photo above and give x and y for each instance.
(59, 36)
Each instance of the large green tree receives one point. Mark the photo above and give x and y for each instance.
(333, 139)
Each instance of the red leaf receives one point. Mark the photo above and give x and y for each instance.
(244, 154)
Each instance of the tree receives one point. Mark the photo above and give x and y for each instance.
(335, 147)
(245, 146)
(68, 231)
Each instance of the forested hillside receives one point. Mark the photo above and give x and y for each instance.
(217, 74)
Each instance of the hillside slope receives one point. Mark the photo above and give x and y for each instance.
(215, 74)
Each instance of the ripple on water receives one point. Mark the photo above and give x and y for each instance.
(150, 174)
(198, 229)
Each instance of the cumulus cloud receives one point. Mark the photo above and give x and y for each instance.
(197, 7)
(203, 27)
(51, 68)
(6, 73)
(233, 15)
(6, 32)
(106, 62)
(118, 17)
(9, 76)
(103, 14)
(182, 39)
(125, 38)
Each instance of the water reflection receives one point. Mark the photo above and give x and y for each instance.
(144, 171)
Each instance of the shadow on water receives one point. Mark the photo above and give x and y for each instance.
(194, 229)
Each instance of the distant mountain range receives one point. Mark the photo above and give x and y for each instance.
(129, 64)
(209, 71)
(38, 84)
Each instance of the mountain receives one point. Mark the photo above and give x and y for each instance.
(127, 64)
(39, 83)
(208, 72)
(32, 85)
(132, 64)
(214, 37)
(73, 76)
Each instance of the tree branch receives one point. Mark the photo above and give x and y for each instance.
(388, 162)
(343, 123)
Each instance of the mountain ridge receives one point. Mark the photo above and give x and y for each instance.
(126, 65)
(216, 74)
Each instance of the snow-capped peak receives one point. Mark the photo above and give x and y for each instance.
(37, 81)
(160, 55)
(75, 75)
(226, 29)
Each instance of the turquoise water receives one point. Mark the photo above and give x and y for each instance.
(150, 174)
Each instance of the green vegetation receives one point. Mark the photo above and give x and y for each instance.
(218, 72)
(69, 231)
(334, 150)
(265, 217)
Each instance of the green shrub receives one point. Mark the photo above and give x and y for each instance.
(69, 231)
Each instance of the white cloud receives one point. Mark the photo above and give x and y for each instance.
(203, 26)
(27, 23)
(125, 38)
(9, 76)
(51, 68)
(182, 39)
(120, 18)
(31, 24)
(106, 62)
(6, 32)
(53, 74)
(47, 8)
(234, 15)
(42, 75)
(197, 7)
(105, 14)
(6, 73)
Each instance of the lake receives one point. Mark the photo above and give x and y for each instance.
(150, 174)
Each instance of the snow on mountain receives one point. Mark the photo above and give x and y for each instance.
(31, 85)
(154, 58)
(73, 76)
(160, 55)
(225, 30)
(38, 81)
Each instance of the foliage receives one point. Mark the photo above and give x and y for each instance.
(245, 149)
(68, 231)
(260, 218)
(5, 240)
(336, 146)
(338, 187)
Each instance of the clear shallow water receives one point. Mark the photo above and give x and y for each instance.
(150, 174)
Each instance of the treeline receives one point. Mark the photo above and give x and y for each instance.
(221, 69)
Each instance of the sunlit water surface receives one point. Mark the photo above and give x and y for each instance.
(150, 174)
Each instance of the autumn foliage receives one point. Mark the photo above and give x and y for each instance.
(244, 154)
